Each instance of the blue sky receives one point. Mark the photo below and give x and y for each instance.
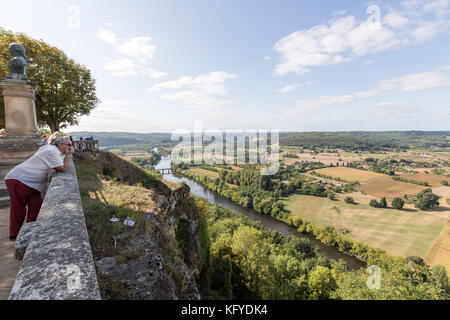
(288, 65)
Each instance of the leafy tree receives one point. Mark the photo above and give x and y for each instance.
(398, 203)
(440, 276)
(374, 203)
(221, 267)
(417, 260)
(321, 283)
(251, 254)
(66, 89)
(426, 199)
(383, 203)
(444, 182)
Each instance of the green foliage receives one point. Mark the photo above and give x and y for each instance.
(426, 199)
(251, 178)
(349, 200)
(112, 289)
(321, 283)
(374, 203)
(398, 203)
(182, 236)
(147, 162)
(291, 155)
(107, 171)
(366, 141)
(383, 203)
(66, 89)
(250, 262)
(444, 183)
(126, 256)
(204, 265)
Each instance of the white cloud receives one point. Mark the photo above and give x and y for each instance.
(385, 104)
(339, 13)
(342, 39)
(127, 67)
(107, 36)
(290, 87)
(200, 94)
(211, 83)
(121, 67)
(412, 82)
(119, 102)
(136, 54)
(139, 48)
(152, 73)
(267, 58)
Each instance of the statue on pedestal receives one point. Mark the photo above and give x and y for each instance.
(21, 138)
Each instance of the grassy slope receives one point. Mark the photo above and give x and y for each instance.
(104, 198)
(402, 233)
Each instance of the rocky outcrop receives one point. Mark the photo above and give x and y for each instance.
(161, 258)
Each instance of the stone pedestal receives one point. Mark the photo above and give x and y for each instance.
(22, 138)
(20, 110)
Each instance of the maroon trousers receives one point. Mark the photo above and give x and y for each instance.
(21, 197)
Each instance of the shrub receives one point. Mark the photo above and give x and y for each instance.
(374, 203)
(398, 203)
(444, 183)
(383, 203)
(349, 200)
(107, 171)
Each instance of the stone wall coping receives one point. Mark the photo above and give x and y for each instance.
(57, 257)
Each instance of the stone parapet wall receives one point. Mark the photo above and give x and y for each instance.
(57, 258)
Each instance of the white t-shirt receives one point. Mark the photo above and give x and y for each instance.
(33, 172)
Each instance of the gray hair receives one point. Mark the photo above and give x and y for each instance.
(59, 141)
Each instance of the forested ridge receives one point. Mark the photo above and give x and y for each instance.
(367, 141)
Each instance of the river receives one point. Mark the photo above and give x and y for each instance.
(267, 221)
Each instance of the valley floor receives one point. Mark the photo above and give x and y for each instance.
(409, 232)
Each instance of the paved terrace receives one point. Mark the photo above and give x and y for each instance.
(9, 266)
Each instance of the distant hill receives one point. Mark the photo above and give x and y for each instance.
(356, 140)
(364, 140)
(115, 139)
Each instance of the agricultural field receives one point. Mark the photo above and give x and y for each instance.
(389, 188)
(439, 252)
(136, 154)
(330, 158)
(203, 172)
(404, 233)
(444, 193)
(434, 180)
(350, 174)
